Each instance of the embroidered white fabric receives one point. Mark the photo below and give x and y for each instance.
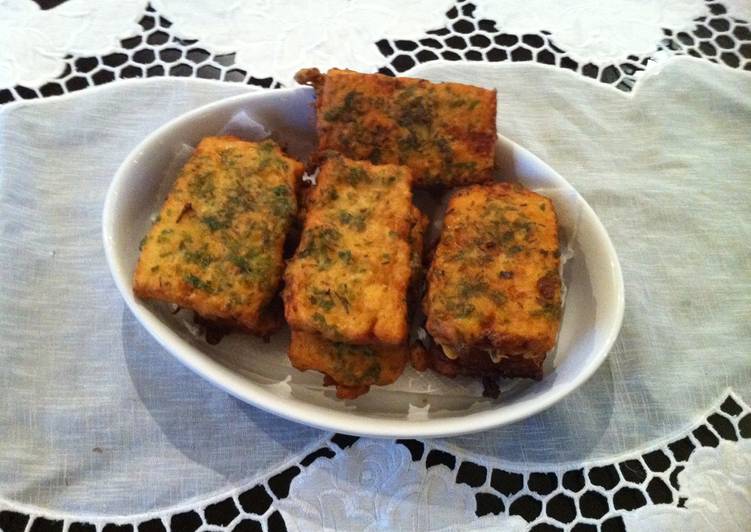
(244, 41)
(718, 492)
(595, 31)
(95, 416)
(34, 43)
(96, 420)
(127, 428)
(377, 486)
(313, 31)
(739, 8)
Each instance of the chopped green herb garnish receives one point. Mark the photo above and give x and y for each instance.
(332, 195)
(319, 245)
(214, 223)
(229, 158)
(198, 283)
(472, 287)
(343, 295)
(281, 203)
(357, 221)
(202, 185)
(186, 241)
(241, 262)
(345, 112)
(321, 298)
(357, 175)
(468, 166)
(163, 237)
(267, 146)
(200, 257)
(550, 311)
(416, 111)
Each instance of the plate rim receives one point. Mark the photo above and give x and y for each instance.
(319, 416)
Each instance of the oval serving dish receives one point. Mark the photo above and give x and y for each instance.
(418, 404)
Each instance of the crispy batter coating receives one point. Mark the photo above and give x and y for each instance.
(494, 291)
(348, 278)
(444, 132)
(352, 368)
(216, 246)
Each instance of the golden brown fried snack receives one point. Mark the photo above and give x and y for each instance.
(352, 368)
(216, 246)
(348, 278)
(493, 301)
(444, 132)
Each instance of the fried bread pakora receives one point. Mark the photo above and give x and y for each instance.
(354, 368)
(444, 132)
(493, 301)
(348, 278)
(216, 246)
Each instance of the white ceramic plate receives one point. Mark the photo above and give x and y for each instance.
(418, 405)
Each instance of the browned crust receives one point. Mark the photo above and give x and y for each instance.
(309, 351)
(515, 312)
(459, 148)
(507, 343)
(270, 320)
(548, 287)
(250, 318)
(347, 365)
(312, 77)
(364, 323)
(346, 392)
(260, 324)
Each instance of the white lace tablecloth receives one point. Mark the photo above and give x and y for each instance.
(645, 107)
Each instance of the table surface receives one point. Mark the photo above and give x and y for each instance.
(71, 46)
